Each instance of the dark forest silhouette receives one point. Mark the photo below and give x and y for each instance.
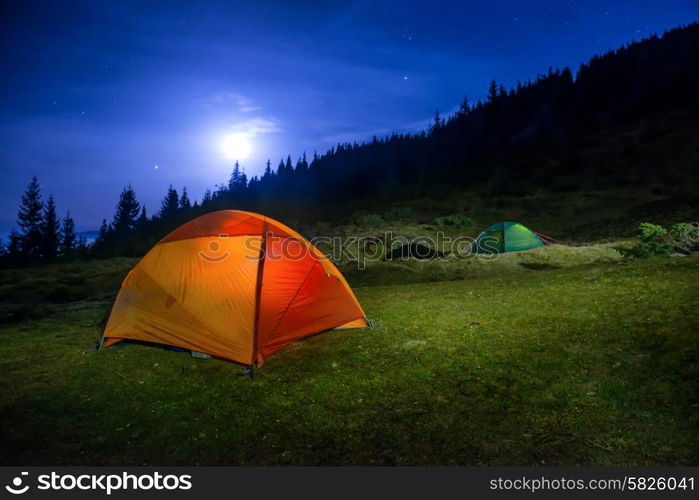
(521, 138)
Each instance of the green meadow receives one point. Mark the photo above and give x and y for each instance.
(558, 356)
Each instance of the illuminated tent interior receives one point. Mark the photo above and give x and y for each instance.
(234, 285)
(508, 237)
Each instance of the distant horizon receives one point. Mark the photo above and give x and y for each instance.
(104, 101)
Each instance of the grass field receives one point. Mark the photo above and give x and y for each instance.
(584, 360)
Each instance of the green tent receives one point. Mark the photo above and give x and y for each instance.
(507, 237)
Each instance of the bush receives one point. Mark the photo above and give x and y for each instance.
(657, 240)
(370, 220)
(685, 237)
(399, 213)
(654, 239)
(456, 220)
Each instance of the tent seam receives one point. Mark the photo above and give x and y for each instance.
(293, 298)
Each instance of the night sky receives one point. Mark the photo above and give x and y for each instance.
(94, 95)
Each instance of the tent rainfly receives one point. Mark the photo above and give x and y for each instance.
(235, 285)
(508, 237)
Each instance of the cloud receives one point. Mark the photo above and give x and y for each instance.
(243, 104)
(258, 126)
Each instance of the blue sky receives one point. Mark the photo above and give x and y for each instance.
(94, 95)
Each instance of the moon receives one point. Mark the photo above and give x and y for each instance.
(236, 146)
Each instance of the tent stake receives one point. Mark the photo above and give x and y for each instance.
(248, 371)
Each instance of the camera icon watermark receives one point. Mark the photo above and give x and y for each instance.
(16, 487)
(213, 253)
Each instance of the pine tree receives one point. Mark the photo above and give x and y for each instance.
(253, 188)
(281, 169)
(184, 202)
(170, 204)
(126, 212)
(67, 238)
(29, 221)
(302, 165)
(14, 247)
(81, 246)
(207, 197)
(50, 228)
(142, 220)
(100, 244)
(268, 171)
(285, 169)
(464, 107)
(437, 123)
(104, 231)
(238, 181)
(493, 91)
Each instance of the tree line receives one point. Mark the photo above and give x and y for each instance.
(528, 136)
(41, 237)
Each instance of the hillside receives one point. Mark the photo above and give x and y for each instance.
(626, 118)
(579, 156)
(584, 156)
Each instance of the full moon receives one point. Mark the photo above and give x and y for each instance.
(236, 146)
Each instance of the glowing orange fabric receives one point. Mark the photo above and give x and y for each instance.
(235, 285)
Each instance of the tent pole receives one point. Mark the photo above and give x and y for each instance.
(258, 292)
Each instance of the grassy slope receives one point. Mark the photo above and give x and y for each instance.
(643, 172)
(402, 271)
(591, 364)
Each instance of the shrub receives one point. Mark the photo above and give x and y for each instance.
(685, 237)
(399, 213)
(370, 220)
(654, 239)
(657, 240)
(456, 220)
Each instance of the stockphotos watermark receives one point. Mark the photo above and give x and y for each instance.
(359, 250)
(106, 483)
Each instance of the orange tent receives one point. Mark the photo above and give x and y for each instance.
(233, 284)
